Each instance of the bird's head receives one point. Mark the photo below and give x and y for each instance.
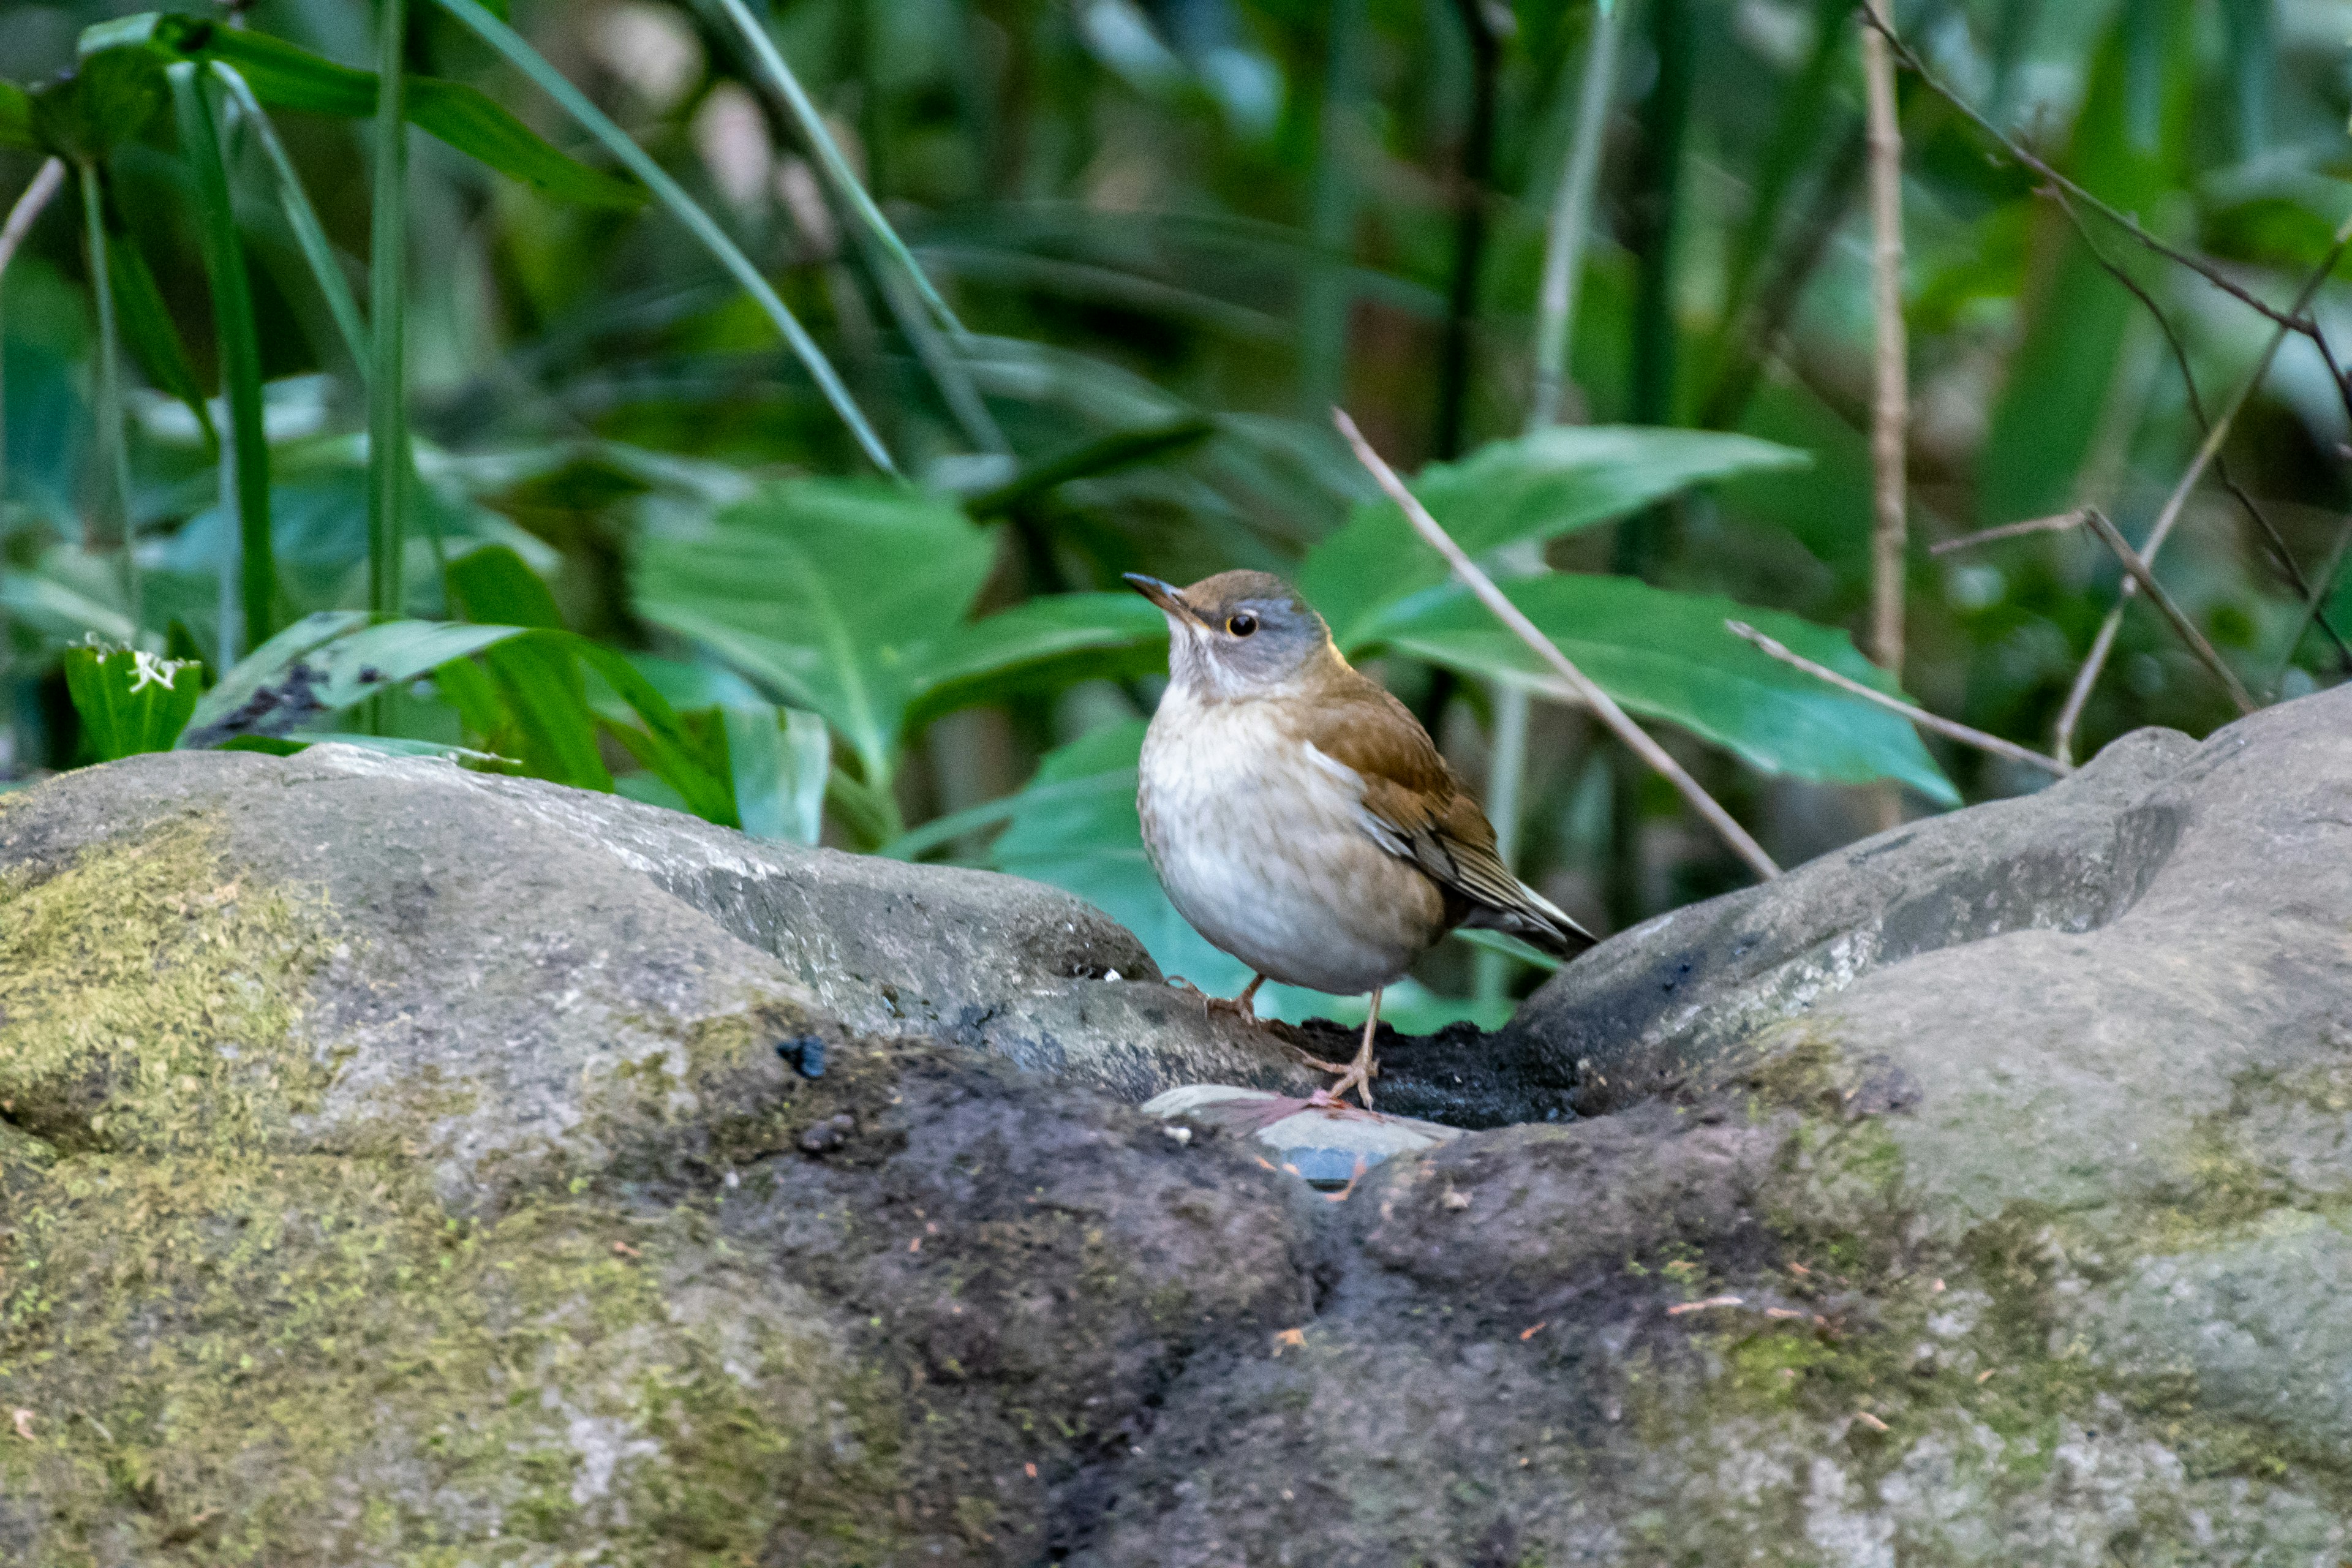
(1240, 635)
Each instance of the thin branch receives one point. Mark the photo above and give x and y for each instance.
(29, 207)
(2321, 587)
(1949, 729)
(1512, 617)
(2293, 319)
(2205, 652)
(21, 218)
(2058, 523)
(2104, 644)
(1891, 405)
(2279, 551)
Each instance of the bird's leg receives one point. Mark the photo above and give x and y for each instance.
(1360, 1072)
(1244, 1006)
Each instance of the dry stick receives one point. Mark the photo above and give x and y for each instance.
(2321, 586)
(2104, 644)
(1512, 617)
(2206, 654)
(1946, 727)
(1890, 410)
(2293, 320)
(2055, 524)
(2280, 553)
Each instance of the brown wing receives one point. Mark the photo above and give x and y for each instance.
(1417, 809)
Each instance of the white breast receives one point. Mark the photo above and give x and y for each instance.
(1260, 844)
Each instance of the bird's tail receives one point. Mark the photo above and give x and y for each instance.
(1534, 919)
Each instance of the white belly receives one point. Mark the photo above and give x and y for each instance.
(1265, 854)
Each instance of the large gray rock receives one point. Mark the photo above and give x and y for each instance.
(2019, 1233)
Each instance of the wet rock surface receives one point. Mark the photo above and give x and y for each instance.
(401, 1167)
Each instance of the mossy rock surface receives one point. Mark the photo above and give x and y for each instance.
(397, 1167)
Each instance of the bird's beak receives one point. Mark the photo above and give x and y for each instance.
(1163, 594)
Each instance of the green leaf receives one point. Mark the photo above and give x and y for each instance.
(492, 586)
(1667, 656)
(517, 53)
(839, 596)
(390, 745)
(778, 761)
(1119, 449)
(17, 119)
(552, 731)
(129, 702)
(665, 745)
(1042, 645)
(247, 461)
(148, 329)
(286, 77)
(1376, 568)
(323, 664)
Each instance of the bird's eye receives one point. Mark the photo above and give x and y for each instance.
(1240, 626)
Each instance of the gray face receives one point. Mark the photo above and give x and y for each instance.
(1238, 634)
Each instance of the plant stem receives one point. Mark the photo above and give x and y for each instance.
(517, 53)
(28, 207)
(1325, 304)
(1469, 230)
(2133, 562)
(112, 440)
(303, 219)
(1506, 769)
(244, 451)
(1635, 738)
(1657, 208)
(387, 313)
(1947, 728)
(2101, 645)
(1571, 221)
(780, 79)
(1890, 414)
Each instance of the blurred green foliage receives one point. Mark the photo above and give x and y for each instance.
(1088, 275)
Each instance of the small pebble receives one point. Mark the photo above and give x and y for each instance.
(829, 1134)
(805, 1052)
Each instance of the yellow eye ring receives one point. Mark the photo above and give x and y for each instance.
(1240, 626)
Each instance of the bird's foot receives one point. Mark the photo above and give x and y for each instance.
(1357, 1075)
(1242, 1007)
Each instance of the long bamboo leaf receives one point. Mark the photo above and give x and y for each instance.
(704, 227)
(247, 452)
(303, 219)
(285, 77)
(845, 182)
(111, 433)
(148, 330)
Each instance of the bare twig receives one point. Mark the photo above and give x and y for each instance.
(28, 207)
(1949, 729)
(1891, 407)
(2277, 540)
(2101, 645)
(1511, 615)
(1890, 412)
(2321, 587)
(2055, 524)
(2293, 319)
(2206, 654)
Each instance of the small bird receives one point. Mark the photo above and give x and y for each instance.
(1299, 816)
